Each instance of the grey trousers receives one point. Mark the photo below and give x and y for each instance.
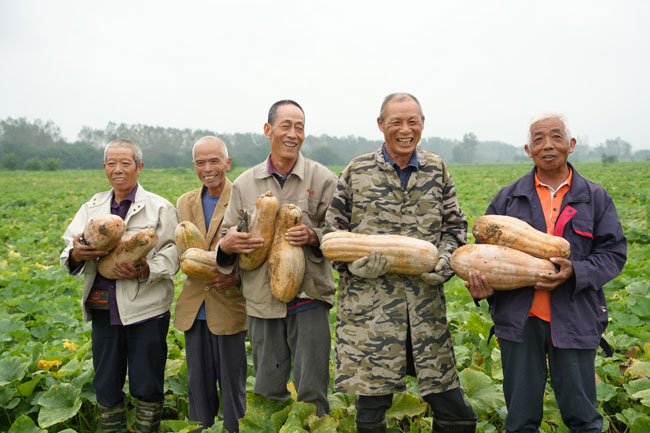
(304, 336)
(211, 359)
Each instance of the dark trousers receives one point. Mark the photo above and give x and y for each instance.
(213, 359)
(141, 347)
(306, 337)
(524, 380)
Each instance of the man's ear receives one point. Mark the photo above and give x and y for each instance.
(572, 145)
(267, 130)
(527, 149)
(380, 124)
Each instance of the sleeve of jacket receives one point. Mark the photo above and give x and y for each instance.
(608, 254)
(233, 215)
(164, 263)
(454, 224)
(75, 227)
(339, 212)
(328, 188)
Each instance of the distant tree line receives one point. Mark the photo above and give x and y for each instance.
(38, 145)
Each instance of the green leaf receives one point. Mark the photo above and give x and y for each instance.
(641, 307)
(6, 396)
(639, 288)
(644, 396)
(59, 403)
(184, 426)
(404, 405)
(173, 367)
(12, 369)
(217, 427)
(629, 416)
(263, 415)
(641, 425)
(24, 424)
(297, 417)
(637, 385)
(481, 392)
(638, 368)
(340, 400)
(605, 391)
(477, 325)
(27, 388)
(324, 424)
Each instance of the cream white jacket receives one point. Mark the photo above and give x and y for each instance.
(137, 299)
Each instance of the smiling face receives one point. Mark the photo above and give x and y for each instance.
(550, 146)
(121, 171)
(402, 125)
(211, 164)
(286, 133)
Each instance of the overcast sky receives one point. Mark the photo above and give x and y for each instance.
(480, 66)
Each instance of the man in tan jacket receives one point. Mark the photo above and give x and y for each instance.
(212, 313)
(296, 331)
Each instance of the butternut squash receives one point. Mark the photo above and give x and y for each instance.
(199, 263)
(188, 236)
(262, 225)
(103, 233)
(286, 262)
(130, 248)
(515, 233)
(406, 255)
(505, 268)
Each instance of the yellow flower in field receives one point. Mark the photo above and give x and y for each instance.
(72, 347)
(46, 365)
(13, 253)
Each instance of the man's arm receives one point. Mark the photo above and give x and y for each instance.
(164, 264)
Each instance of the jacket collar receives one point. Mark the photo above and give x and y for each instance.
(261, 171)
(579, 190)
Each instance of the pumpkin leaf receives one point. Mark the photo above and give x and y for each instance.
(24, 424)
(12, 369)
(483, 394)
(59, 403)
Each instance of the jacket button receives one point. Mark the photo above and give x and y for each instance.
(207, 288)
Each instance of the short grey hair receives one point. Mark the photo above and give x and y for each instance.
(400, 96)
(121, 142)
(211, 138)
(543, 115)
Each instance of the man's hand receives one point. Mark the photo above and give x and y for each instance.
(222, 282)
(129, 271)
(235, 242)
(301, 235)
(551, 281)
(441, 273)
(478, 286)
(81, 252)
(373, 266)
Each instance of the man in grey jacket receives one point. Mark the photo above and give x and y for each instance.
(130, 314)
(299, 329)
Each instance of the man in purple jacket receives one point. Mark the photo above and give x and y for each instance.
(564, 316)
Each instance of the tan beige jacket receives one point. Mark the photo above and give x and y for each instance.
(310, 186)
(225, 309)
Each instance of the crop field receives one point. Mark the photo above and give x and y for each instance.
(45, 358)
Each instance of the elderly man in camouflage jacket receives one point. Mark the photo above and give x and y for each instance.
(391, 325)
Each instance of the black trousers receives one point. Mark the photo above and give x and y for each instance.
(525, 373)
(213, 359)
(142, 348)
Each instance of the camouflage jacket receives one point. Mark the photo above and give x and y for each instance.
(374, 314)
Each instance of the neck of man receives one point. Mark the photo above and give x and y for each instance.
(553, 178)
(215, 191)
(121, 195)
(401, 161)
(281, 165)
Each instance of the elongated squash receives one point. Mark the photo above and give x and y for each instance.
(199, 263)
(515, 233)
(286, 262)
(131, 247)
(188, 236)
(103, 233)
(504, 268)
(406, 255)
(262, 225)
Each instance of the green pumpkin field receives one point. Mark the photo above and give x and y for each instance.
(46, 367)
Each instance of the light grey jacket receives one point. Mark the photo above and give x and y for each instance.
(137, 300)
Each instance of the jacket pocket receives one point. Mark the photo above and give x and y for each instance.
(582, 237)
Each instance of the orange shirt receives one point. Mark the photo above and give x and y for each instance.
(551, 201)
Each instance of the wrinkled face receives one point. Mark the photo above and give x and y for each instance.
(211, 164)
(549, 145)
(402, 127)
(287, 132)
(121, 170)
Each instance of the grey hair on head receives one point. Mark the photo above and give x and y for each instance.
(543, 115)
(400, 96)
(121, 142)
(273, 111)
(211, 138)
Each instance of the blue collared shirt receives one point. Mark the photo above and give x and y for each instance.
(405, 173)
